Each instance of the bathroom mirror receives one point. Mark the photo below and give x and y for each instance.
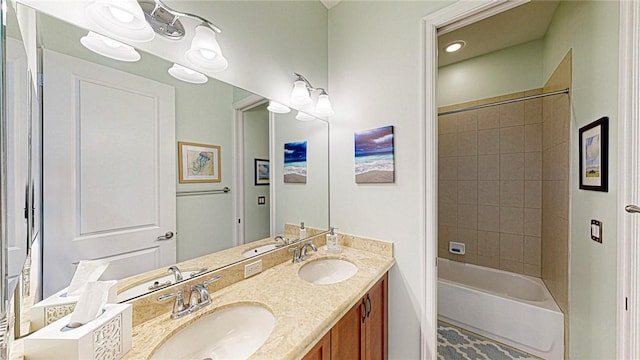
(206, 218)
(18, 131)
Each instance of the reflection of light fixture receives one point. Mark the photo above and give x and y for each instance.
(276, 107)
(110, 48)
(205, 52)
(122, 19)
(454, 46)
(185, 74)
(304, 116)
(301, 95)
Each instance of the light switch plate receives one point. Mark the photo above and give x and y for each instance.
(252, 269)
(596, 231)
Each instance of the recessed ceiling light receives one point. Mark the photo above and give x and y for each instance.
(454, 46)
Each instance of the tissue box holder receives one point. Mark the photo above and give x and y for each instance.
(58, 306)
(108, 337)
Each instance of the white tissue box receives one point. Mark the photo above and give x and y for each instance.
(108, 337)
(59, 305)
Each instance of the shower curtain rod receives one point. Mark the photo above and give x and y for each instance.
(565, 91)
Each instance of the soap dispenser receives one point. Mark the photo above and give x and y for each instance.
(303, 231)
(332, 242)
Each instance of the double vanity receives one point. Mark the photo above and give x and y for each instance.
(291, 310)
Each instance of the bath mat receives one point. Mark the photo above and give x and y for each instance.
(458, 344)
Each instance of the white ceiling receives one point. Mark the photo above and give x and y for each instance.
(517, 26)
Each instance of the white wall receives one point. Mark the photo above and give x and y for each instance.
(376, 78)
(502, 72)
(256, 146)
(295, 203)
(590, 29)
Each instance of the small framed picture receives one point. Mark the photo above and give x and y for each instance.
(198, 163)
(261, 167)
(594, 155)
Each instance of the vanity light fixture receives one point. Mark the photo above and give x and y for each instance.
(276, 107)
(302, 116)
(301, 95)
(110, 48)
(185, 74)
(122, 19)
(454, 46)
(204, 53)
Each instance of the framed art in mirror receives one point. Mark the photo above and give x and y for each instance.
(261, 168)
(198, 163)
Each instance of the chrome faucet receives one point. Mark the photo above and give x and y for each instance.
(198, 299)
(176, 273)
(304, 250)
(179, 309)
(302, 253)
(285, 241)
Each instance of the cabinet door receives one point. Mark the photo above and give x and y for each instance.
(347, 336)
(322, 350)
(376, 323)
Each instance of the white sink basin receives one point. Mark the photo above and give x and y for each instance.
(259, 250)
(143, 288)
(231, 333)
(327, 271)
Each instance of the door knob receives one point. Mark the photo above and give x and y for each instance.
(168, 235)
(632, 209)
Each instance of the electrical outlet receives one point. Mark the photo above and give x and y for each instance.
(252, 269)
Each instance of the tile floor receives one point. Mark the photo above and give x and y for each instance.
(458, 344)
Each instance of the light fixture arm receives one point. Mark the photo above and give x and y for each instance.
(178, 14)
(308, 84)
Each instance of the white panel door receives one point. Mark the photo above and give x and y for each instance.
(109, 170)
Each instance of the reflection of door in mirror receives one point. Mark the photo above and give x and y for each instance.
(109, 170)
(17, 95)
(255, 140)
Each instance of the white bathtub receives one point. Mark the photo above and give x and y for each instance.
(514, 309)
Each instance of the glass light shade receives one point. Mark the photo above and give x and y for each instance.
(304, 116)
(110, 48)
(323, 107)
(300, 93)
(205, 52)
(185, 74)
(122, 19)
(276, 107)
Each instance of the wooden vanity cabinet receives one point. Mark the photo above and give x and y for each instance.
(362, 331)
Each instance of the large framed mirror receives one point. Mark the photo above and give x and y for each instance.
(110, 172)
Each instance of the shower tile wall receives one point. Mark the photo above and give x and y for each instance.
(490, 184)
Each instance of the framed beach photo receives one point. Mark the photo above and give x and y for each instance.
(198, 163)
(594, 155)
(295, 162)
(261, 169)
(374, 156)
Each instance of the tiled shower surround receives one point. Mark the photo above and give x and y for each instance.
(490, 184)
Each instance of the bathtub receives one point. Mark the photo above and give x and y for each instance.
(513, 309)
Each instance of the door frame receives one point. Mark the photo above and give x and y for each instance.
(239, 107)
(455, 16)
(628, 322)
(464, 13)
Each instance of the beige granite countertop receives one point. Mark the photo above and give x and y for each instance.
(303, 312)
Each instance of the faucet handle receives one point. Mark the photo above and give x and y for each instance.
(178, 306)
(212, 280)
(296, 258)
